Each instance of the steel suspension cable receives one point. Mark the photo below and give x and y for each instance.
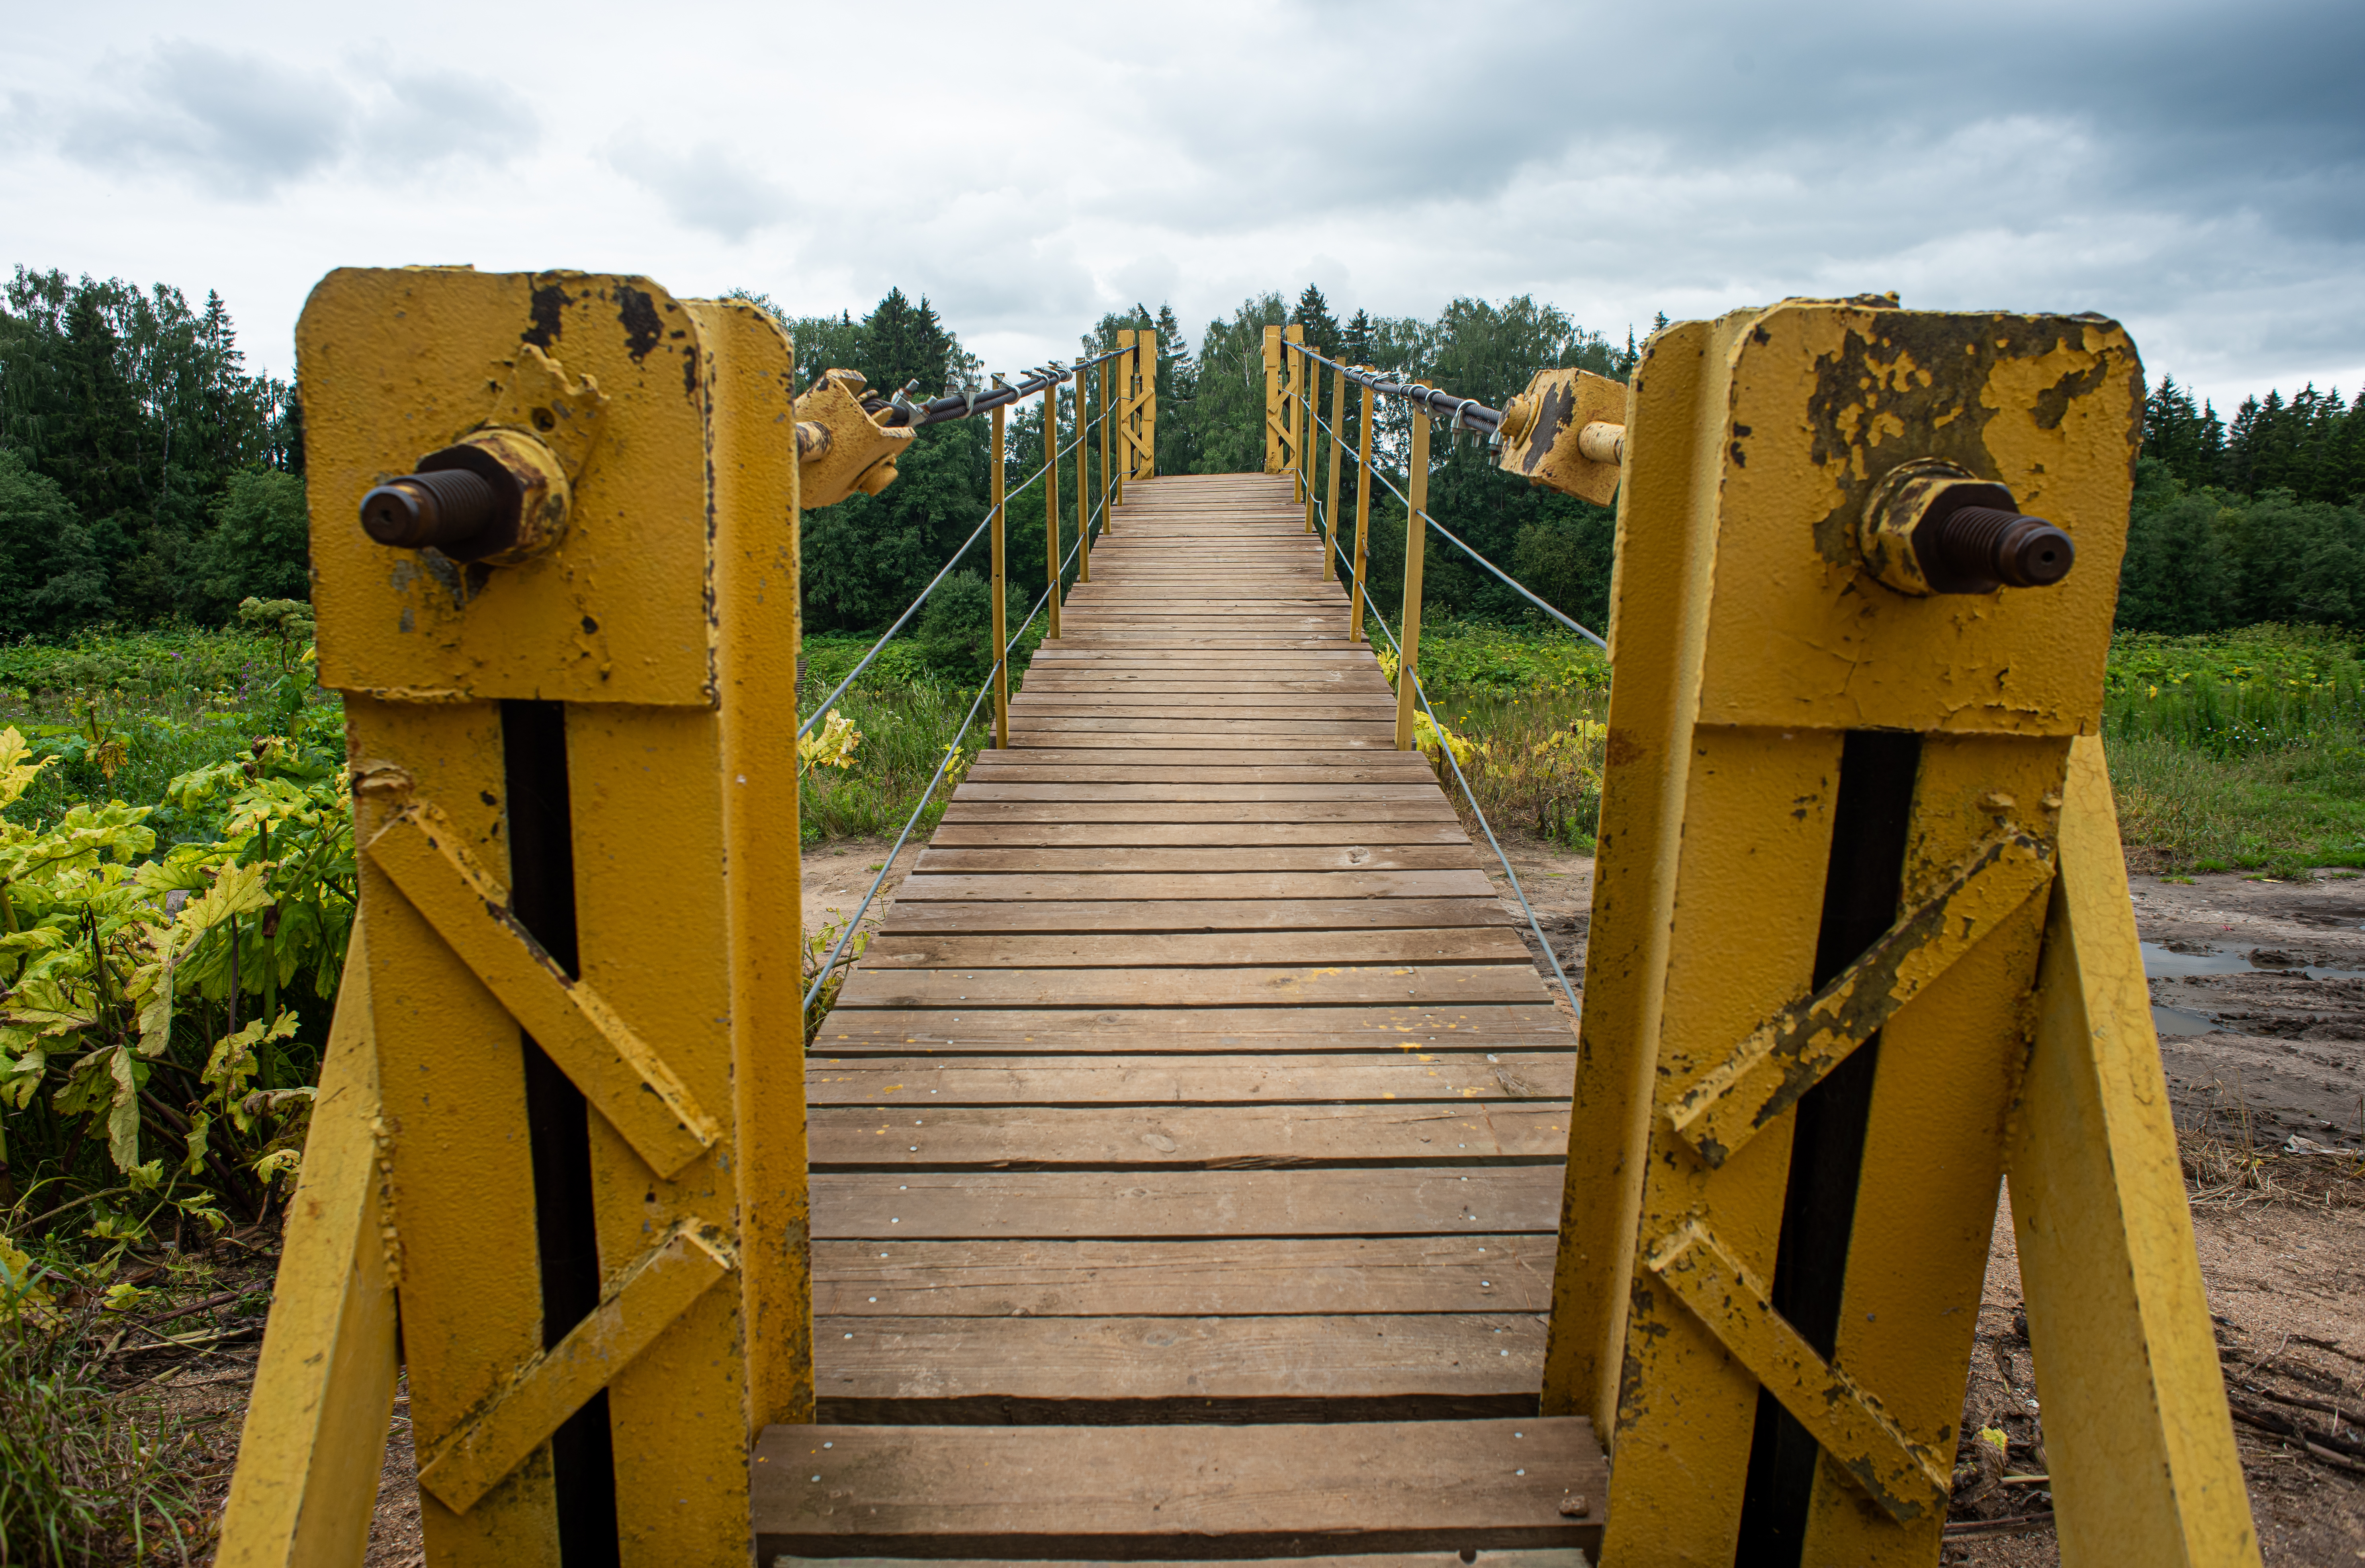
(822, 710)
(1422, 694)
(952, 749)
(1512, 583)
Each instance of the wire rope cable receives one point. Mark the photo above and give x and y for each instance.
(1420, 694)
(822, 709)
(952, 748)
(1512, 583)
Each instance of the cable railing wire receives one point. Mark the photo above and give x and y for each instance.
(1420, 694)
(901, 412)
(1456, 413)
(822, 710)
(952, 749)
(1514, 584)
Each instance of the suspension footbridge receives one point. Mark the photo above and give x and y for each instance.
(1197, 1165)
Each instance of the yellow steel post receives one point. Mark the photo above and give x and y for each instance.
(1273, 455)
(1000, 610)
(1293, 393)
(1108, 479)
(1051, 499)
(1125, 386)
(1084, 485)
(1416, 537)
(2138, 1437)
(315, 1432)
(503, 717)
(758, 592)
(1148, 340)
(1307, 448)
(1363, 487)
(1827, 830)
(1330, 502)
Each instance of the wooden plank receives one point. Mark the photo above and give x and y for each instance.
(1128, 1490)
(1231, 1135)
(919, 918)
(1193, 859)
(1375, 739)
(1325, 816)
(1245, 732)
(911, 1205)
(1073, 781)
(1316, 985)
(1498, 1271)
(1193, 1029)
(1367, 1356)
(1543, 1558)
(1469, 883)
(1195, 949)
(1354, 765)
(1476, 1075)
(1054, 831)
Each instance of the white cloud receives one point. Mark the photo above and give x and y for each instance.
(2197, 170)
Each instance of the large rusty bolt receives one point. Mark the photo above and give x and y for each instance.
(1993, 546)
(498, 496)
(1934, 527)
(445, 509)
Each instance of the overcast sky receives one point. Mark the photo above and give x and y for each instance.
(2195, 169)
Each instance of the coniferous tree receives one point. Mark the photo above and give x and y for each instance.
(1313, 313)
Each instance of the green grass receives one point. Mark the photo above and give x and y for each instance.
(905, 733)
(2238, 750)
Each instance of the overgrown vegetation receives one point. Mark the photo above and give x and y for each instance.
(2241, 751)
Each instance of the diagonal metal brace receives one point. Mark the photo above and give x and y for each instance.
(1790, 1052)
(625, 1079)
(1904, 1477)
(657, 1288)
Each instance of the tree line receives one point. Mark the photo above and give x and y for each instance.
(869, 556)
(146, 475)
(2261, 519)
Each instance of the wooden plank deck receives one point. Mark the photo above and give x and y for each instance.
(1197, 1088)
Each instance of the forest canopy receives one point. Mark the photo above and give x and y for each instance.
(146, 476)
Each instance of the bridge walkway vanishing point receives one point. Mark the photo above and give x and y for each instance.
(1196, 1087)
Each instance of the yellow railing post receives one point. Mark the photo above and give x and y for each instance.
(1362, 515)
(1108, 478)
(595, 1323)
(1273, 455)
(1146, 358)
(1330, 502)
(1083, 489)
(1001, 596)
(1291, 394)
(1416, 531)
(315, 1434)
(1052, 498)
(1123, 420)
(1310, 378)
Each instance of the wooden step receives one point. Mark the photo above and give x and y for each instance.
(1178, 1492)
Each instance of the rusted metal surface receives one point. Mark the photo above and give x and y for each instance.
(1792, 1051)
(1933, 527)
(1566, 430)
(861, 450)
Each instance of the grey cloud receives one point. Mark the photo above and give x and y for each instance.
(421, 117)
(706, 187)
(244, 123)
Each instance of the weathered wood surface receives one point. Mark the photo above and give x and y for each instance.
(1197, 1075)
(1126, 1491)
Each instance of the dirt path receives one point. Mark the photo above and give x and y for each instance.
(2258, 987)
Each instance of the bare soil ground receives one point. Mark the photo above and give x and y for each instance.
(2280, 1226)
